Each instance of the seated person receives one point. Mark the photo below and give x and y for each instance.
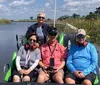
(52, 60)
(82, 61)
(27, 59)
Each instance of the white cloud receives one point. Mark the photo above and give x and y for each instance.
(21, 2)
(80, 6)
(75, 3)
(47, 4)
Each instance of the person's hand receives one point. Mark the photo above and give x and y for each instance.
(21, 71)
(81, 75)
(44, 68)
(27, 71)
(76, 73)
(55, 70)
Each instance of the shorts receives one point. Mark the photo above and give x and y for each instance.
(90, 77)
(52, 74)
(31, 74)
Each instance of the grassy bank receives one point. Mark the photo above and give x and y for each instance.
(5, 21)
(91, 26)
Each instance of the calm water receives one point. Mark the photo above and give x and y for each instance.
(8, 42)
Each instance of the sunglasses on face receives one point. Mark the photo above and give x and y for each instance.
(32, 40)
(80, 36)
(41, 17)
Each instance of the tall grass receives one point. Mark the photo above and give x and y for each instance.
(4, 21)
(92, 28)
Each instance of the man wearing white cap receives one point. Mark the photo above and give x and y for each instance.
(82, 61)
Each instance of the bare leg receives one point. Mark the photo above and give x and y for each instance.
(69, 81)
(42, 77)
(87, 82)
(26, 78)
(16, 78)
(58, 77)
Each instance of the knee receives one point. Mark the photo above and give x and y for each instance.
(16, 78)
(69, 81)
(58, 78)
(87, 82)
(26, 78)
(41, 79)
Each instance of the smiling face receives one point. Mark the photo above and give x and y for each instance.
(81, 38)
(32, 40)
(41, 18)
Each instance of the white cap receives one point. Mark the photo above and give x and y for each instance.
(81, 31)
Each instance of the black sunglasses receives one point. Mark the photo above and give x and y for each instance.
(41, 17)
(80, 36)
(32, 40)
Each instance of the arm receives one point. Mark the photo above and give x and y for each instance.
(18, 59)
(30, 30)
(18, 63)
(34, 65)
(62, 64)
(19, 69)
(41, 64)
(69, 61)
(94, 60)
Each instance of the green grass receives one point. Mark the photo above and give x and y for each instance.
(5, 21)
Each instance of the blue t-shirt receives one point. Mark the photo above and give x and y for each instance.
(81, 58)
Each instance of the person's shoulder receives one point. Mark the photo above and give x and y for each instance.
(37, 49)
(34, 24)
(61, 46)
(91, 45)
(44, 45)
(21, 48)
(45, 24)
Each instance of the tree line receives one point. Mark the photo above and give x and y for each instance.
(92, 15)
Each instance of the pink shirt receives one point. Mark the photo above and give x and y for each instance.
(58, 54)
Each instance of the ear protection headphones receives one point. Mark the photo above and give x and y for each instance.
(83, 44)
(27, 47)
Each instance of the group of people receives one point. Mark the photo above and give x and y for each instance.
(43, 50)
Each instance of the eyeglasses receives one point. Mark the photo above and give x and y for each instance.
(80, 36)
(32, 40)
(41, 17)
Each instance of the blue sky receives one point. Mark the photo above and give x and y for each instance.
(23, 9)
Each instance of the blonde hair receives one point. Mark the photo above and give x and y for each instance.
(41, 13)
